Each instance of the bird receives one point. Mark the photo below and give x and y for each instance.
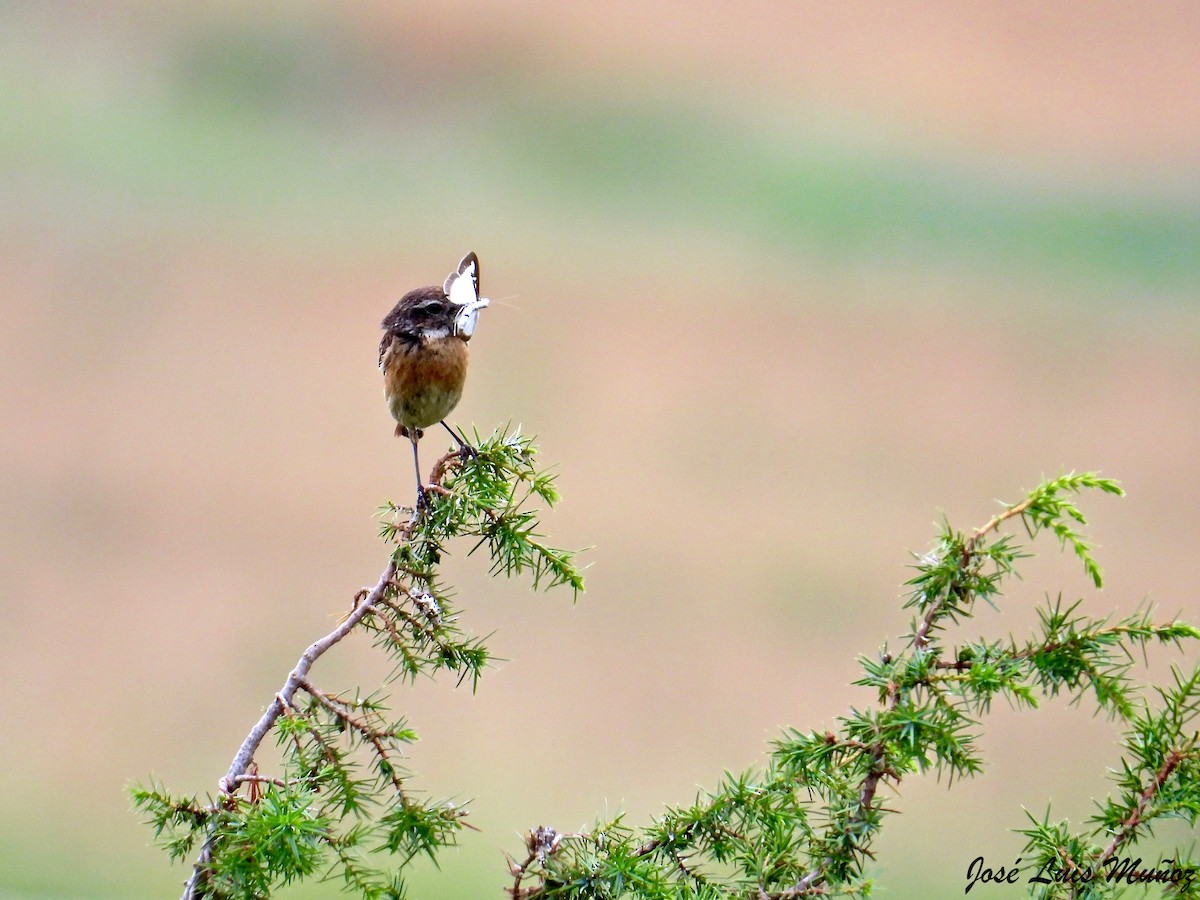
(423, 355)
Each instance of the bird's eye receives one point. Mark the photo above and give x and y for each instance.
(436, 307)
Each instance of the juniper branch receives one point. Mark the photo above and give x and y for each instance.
(806, 826)
(968, 554)
(234, 777)
(286, 825)
(1135, 817)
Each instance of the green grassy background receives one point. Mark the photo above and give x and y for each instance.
(776, 285)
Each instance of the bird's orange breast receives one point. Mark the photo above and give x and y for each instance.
(423, 382)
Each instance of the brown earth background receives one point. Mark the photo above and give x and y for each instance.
(778, 284)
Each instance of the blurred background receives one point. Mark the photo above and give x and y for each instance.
(777, 284)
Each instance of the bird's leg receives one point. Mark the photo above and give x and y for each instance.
(414, 435)
(464, 448)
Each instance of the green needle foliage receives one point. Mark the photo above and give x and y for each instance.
(339, 806)
(805, 825)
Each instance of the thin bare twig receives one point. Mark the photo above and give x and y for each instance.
(542, 843)
(518, 870)
(234, 777)
(375, 738)
(264, 779)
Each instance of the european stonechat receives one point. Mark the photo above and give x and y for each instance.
(423, 354)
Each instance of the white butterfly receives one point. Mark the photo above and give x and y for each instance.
(462, 288)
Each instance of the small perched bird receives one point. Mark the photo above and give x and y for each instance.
(423, 354)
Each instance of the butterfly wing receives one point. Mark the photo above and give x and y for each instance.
(462, 285)
(462, 288)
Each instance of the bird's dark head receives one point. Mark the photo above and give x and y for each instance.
(431, 313)
(423, 314)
